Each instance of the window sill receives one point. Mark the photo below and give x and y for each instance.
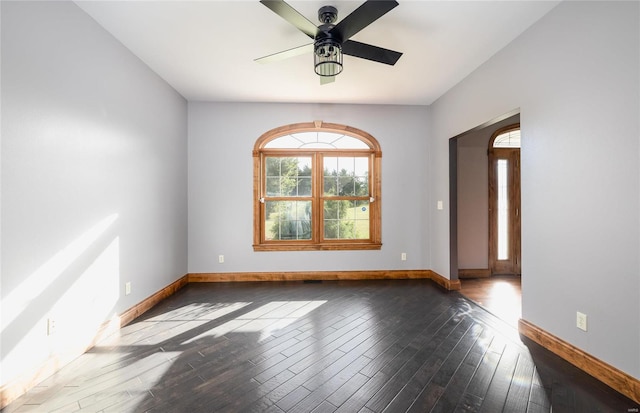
(317, 247)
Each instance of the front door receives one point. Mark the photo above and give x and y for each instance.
(504, 201)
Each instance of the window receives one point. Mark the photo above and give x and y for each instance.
(507, 139)
(316, 187)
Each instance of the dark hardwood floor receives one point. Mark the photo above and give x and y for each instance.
(352, 346)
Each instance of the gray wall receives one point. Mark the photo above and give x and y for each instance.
(473, 200)
(94, 177)
(574, 76)
(93, 182)
(221, 140)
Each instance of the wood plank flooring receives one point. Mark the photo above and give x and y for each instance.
(501, 295)
(337, 346)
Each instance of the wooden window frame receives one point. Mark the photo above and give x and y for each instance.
(317, 242)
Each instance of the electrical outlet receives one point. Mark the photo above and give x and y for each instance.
(581, 321)
(403, 256)
(220, 259)
(127, 288)
(51, 326)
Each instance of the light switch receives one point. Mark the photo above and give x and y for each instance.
(440, 205)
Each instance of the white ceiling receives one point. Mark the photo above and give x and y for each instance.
(206, 49)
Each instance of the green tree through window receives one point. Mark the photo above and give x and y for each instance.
(316, 187)
(288, 177)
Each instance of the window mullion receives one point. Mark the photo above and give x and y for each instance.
(318, 216)
(372, 175)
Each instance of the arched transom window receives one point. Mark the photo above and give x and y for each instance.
(508, 139)
(316, 187)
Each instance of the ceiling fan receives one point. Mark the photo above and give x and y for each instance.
(331, 41)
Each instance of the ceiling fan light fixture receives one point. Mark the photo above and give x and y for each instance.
(327, 57)
(329, 37)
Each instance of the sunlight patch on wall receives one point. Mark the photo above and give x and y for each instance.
(38, 325)
(89, 301)
(35, 284)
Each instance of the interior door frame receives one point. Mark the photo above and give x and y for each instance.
(453, 190)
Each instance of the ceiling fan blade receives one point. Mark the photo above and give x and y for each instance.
(291, 15)
(327, 79)
(363, 16)
(369, 52)
(296, 51)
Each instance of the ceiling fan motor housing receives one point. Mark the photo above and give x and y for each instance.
(327, 14)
